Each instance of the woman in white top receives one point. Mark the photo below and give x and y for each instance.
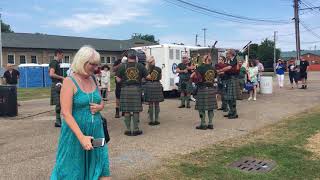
(105, 81)
(253, 78)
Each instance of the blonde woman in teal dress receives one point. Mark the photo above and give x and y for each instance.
(81, 105)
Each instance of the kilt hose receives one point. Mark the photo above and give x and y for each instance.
(206, 99)
(153, 91)
(130, 99)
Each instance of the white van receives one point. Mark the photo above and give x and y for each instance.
(167, 57)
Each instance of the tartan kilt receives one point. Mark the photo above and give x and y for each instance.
(231, 89)
(130, 99)
(185, 87)
(206, 99)
(153, 91)
(55, 95)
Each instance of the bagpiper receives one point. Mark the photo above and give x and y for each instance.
(130, 75)
(185, 85)
(153, 92)
(204, 77)
(231, 73)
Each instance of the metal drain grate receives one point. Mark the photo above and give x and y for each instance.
(249, 164)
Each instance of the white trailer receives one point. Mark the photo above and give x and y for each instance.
(167, 57)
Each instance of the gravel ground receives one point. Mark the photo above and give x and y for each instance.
(28, 142)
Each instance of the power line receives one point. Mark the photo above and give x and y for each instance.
(205, 13)
(232, 16)
(310, 30)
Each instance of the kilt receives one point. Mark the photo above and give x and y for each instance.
(153, 91)
(55, 95)
(206, 99)
(231, 89)
(130, 99)
(185, 87)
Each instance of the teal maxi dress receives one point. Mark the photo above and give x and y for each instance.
(72, 161)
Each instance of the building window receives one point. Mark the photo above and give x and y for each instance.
(51, 58)
(66, 59)
(11, 59)
(103, 60)
(178, 54)
(34, 59)
(113, 59)
(108, 60)
(170, 53)
(23, 59)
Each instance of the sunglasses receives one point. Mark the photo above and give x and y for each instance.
(93, 64)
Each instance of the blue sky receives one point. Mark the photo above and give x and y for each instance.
(119, 19)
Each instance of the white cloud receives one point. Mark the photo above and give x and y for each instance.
(110, 13)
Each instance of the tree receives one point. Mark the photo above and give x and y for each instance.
(5, 28)
(146, 37)
(265, 53)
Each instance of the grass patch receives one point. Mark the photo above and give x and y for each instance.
(25, 94)
(284, 143)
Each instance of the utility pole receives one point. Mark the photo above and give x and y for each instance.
(196, 40)
(296, 20)
(274, 51)
(1, 60)
(204, 37)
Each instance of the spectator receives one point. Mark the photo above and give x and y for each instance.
(280, 68)
(11, 75)
(116, 66)
(304, 68)
(105, 81)
(253, 71)
(260, 69)
(81, 105)
(56, 75)
(292, 68)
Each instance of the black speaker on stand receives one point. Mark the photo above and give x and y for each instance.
(8, 100)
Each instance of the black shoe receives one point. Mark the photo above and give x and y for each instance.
(57, 124)
(303, 87)
(201, 127)
(137, 132)
(210, 126)
(122, 114)
(128, 133)
(220, 109)
(182, 106)
(188, 106)
(233, 117)
(226, 115)
(117, 116)
(151, 123)
(156, 123)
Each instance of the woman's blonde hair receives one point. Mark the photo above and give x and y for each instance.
(86, 54)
